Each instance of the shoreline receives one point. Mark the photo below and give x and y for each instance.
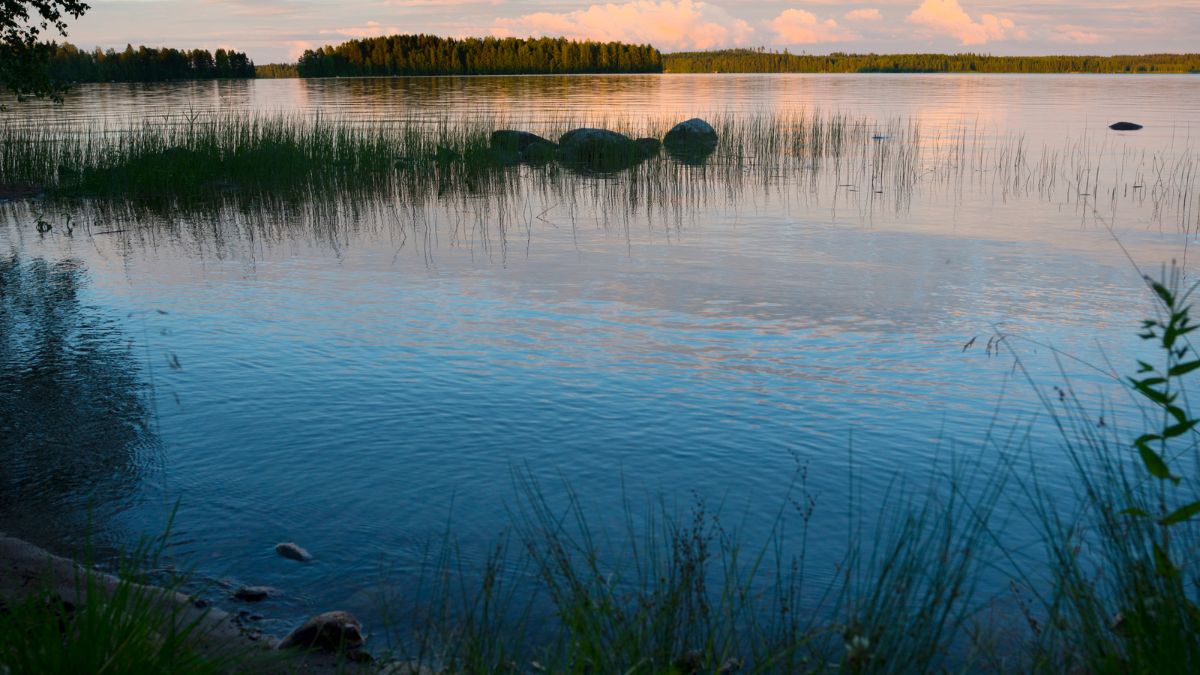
(28, 571)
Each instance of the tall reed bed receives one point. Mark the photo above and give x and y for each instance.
(194, 161)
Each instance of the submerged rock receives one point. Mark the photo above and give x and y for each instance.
(253, 593)
(691, 141)
(330, 631)
(510, 147)
(1125, 126)
(599, 150)
(293, 552)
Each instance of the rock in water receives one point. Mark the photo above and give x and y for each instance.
(1124, 126)
(330, 631)
(694, 133)
(691, 142)
(522, 146)
(599, 150)
(253, 593)
(293, 552)
(649, 146)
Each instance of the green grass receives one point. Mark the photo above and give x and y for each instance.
(103, 629)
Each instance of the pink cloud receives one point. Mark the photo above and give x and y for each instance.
(796, 26)
(871, 14)
(949, 18)
(670, 24)
(1076, 35)
(369, 29)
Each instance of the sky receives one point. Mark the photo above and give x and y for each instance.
(279, 30)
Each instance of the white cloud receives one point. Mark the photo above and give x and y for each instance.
(870, 14)
(796, 26)
(947, 17)
(668, 24)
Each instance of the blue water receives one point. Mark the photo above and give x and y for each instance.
(364, 389)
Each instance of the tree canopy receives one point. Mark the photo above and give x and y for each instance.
(68, 63)
(23, 57)
(432, 55)
(762, 61)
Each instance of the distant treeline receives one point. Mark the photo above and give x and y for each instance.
(761, 61)
(431, 55)
(68, 63)
(276, 70)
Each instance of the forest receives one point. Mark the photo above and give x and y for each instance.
(68, 63)
(431, 55)
(763, 61)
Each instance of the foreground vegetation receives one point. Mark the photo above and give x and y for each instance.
(761, 61)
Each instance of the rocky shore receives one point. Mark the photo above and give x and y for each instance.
(28, 571)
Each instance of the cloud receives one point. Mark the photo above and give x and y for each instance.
(1079, 35)
(796, 26)
(871, 14)
(669, 24)
(369, 29)
(948, 17)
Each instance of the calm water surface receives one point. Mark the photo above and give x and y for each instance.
(362, 381)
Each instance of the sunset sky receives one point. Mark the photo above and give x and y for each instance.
(278, 30)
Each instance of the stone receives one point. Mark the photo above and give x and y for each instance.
(509, 146)
(517, 140)
(292, 551)
(253, 593)
(330, 631)
(599, 150)
(692, 134)
(691, 142)
(650, 146)
(1125, 126)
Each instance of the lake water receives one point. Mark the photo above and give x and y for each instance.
(362, 380)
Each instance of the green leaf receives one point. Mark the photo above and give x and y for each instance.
(1163, 564)
(1179, 429)
(1163, 293)
(1177, 413)
(1144, 367)
(1155, 395)
(1135, 512)
(1184, 368)
(1154, 463)
(1182, 513)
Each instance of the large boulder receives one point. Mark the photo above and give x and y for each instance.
(1125, 126)
(331, 631)
(693, 133)
(599, 150)
(513, 146)
(650, 146)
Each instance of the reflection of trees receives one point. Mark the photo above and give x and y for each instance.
(72, 414)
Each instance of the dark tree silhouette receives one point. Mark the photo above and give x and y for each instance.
(145, 64)
(432, 55)
(762, 61)
(23, 57)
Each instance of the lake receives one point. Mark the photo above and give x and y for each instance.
(364, 378)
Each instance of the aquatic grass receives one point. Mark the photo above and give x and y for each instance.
(111, 626)
(191, 163)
